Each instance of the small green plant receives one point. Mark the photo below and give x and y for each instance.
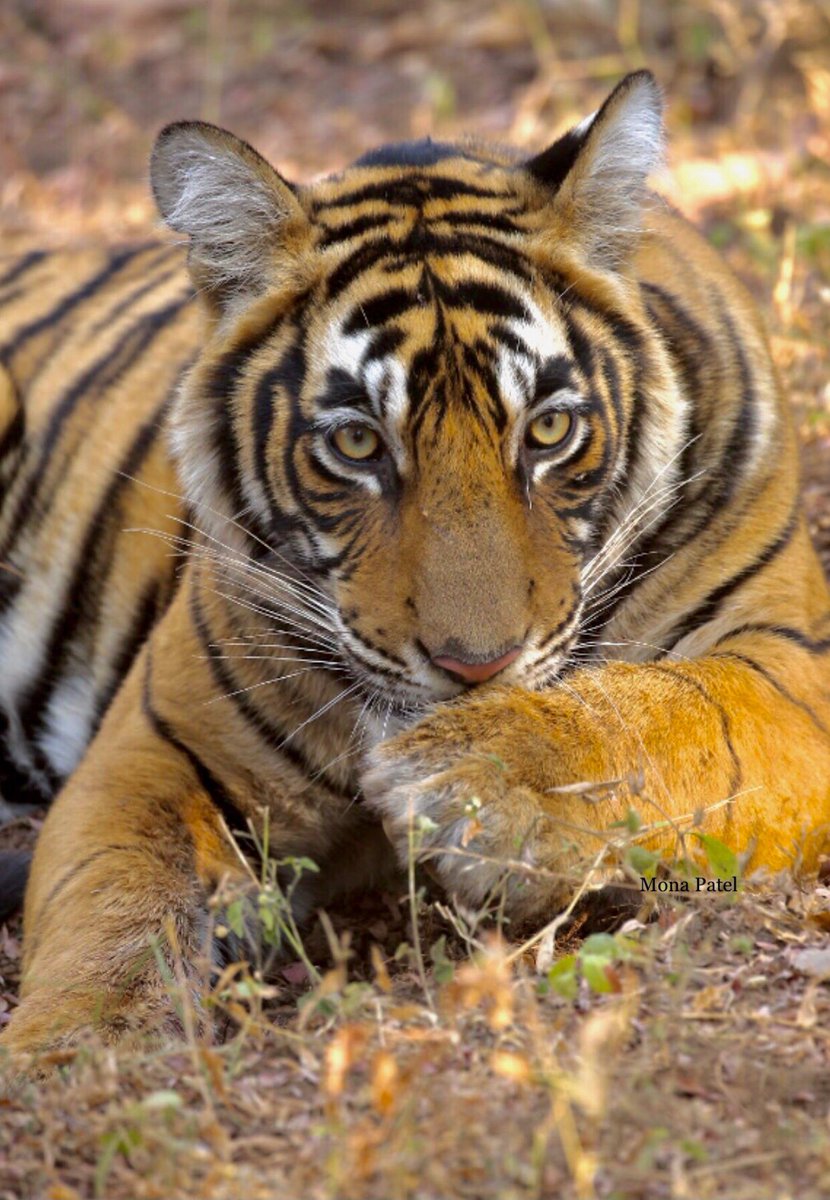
(597, 962)
(262, 916)
(442, 967)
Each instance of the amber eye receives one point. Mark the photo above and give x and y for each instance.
(357, 442)
(549, 430)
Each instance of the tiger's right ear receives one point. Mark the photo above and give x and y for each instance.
(596, 174)
(244, 220)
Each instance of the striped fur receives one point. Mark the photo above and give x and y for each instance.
(235, 617)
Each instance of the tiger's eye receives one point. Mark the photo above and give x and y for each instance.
(549, 430)
(357, 442)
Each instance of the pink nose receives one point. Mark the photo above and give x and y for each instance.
(477, 672)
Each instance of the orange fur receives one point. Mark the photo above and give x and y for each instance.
(654, 574)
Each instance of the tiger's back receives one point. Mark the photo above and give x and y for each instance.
(93, 346)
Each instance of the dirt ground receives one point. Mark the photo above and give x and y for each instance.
(688, 1058)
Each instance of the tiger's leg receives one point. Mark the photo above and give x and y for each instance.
(129, 855)
(741, 735)
(139, 839)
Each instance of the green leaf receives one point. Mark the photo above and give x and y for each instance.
(234, 915)
(302, 864)
(443, 967)
(631, 821)
(562, 977)
(643, 862)
(596, 973)
(694, 1149)
(499, 762)
(165, 1098)
(426, 824)
(597, 956)
(600, 945)
(723, 862)
(113, 1142)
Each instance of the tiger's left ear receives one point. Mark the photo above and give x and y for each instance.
(244, 221)
(597, 172)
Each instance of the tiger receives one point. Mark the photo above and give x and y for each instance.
(443, 509)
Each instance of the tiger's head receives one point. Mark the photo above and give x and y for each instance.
(420, 385)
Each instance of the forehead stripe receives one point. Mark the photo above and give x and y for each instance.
(401, 254)
(413, 190)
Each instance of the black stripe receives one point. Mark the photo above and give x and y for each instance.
(665, 532)
(514, 342)
(104, 373)
(386, 306)
(13, 434)
(74, 872)
(373, 669)
(221, 388)
(400, 255)
(496, 253)
(148, 612)
(138, 293)
(411, 190)
(370, 645)
(25, 264)
(274, 735)
(233, 816)
(485, 298)
(343, 483)
(709, 607)
(83, 591)
(17, 786)
(288, 377)
(383, 343)
(360, 225)
(736, 453)
(560, 625)
(500, 222)
(68, 303)
(726, 726)
(776, 683)
(611, 376)
(695, 356)
(364, 258)
(787, 632)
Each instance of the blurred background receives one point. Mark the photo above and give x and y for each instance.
(86, 84)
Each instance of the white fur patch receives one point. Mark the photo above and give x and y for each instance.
(624, 145)
(231, 211)
(68, 720)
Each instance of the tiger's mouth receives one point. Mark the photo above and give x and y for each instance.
(412, 682)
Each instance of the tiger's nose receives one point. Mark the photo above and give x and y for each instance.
(476, 672)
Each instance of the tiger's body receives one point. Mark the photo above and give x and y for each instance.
(449, 419)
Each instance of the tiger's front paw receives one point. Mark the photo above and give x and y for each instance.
(455, 791)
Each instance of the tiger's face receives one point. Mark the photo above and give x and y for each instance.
(453, 452)
(401, 399)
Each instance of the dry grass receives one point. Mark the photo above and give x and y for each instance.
(702, 1073)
